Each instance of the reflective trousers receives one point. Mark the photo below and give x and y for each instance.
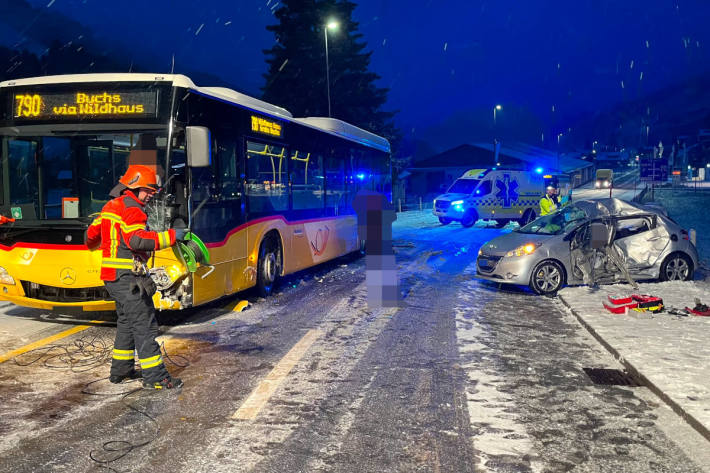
(136, 329)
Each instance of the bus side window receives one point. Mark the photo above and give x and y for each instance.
(230, 170)
(334, 185)
(266, 177)
(307, 180)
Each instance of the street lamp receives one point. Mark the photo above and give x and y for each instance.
(496, 108)
(331, 25)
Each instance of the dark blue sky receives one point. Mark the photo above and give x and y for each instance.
(446, 56)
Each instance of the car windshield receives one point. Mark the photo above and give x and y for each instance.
(463, 186)
(556, 223)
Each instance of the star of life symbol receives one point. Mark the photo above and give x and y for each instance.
(507, 190)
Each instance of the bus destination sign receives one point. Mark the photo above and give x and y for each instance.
(35, 105)
(267, 127)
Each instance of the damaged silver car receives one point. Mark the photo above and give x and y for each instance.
(590, 242)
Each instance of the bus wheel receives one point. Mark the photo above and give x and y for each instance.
(267, 271)
(469, 218)
(528, 216)
(444, 220)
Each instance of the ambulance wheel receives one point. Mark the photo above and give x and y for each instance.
(528, 216)
(268, 266)
(469, 218)
(444, 220)
(501, 222)
(547, 278)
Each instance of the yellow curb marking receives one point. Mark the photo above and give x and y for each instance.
(260, 396)
(45, 341)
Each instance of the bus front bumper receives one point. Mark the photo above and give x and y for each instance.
(88, 306)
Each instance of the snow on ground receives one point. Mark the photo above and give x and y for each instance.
(490, 407)
(671, 351)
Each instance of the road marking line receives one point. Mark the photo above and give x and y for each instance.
(261, 394)
(45, 341)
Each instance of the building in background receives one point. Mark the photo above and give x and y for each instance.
(432, 176)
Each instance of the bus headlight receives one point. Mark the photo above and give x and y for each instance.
(606, 183)
(597, 185)
(457, 205)
(522, 250)
(165, 277)
(5, 277)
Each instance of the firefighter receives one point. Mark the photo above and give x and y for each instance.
(549, 202)
(120, 232)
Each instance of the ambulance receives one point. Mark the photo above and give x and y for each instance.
(491, 194)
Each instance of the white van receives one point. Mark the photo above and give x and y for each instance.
(492, 194)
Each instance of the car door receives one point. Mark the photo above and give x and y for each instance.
(589, 264)
(641, 241)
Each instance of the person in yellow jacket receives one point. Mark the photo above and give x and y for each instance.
(550, 201)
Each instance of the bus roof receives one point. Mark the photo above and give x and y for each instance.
(329, 125)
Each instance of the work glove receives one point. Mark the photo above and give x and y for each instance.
(180, 233)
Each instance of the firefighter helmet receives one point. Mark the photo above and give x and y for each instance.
(138, 176)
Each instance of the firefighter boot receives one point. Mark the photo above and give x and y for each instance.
(165, 383)
(117, 379)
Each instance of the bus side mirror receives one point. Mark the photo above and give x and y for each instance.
(199, 146)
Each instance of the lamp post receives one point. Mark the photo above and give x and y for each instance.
(331, 25)
(495, 139)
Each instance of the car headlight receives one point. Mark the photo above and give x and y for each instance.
(480, 251)
(597, 184)
(5, 278)
(457, 205)
(522, 250)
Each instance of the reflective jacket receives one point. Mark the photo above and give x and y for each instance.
(547, 205)
(120, 232)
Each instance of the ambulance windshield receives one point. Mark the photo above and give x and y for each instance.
(463, 186)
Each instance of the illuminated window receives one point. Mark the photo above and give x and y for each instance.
(267, 177)
(307, 180)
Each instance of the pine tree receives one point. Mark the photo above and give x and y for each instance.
(296, 78)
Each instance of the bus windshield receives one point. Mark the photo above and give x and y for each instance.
(463, 186)
(55, 176)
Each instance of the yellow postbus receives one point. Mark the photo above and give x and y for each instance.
(267, 193)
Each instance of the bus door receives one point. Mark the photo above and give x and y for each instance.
(217, 215)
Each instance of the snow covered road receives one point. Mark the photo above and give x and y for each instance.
(464, 376)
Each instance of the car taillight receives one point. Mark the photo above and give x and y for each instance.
(684, 235)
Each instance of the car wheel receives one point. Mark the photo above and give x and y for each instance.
(528, 216)
(676, 267)
(469, 218)
(268, 266)
(501, 222)
(444, 220)
(547, 277)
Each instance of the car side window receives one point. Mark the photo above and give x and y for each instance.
(483, 189)
(627, 227)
